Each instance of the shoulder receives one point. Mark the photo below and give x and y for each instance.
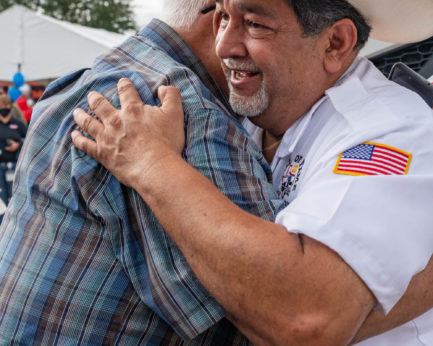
(364, 90)
(367, 106)
(209, 125)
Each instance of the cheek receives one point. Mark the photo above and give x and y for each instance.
(278, 75)
(217, 39)
(216, 26)
(258, 52)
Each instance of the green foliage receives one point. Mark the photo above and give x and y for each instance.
(32, 4)
(112, 15)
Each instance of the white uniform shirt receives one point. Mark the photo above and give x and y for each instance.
(380, 224)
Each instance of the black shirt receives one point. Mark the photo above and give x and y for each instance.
(15, 130)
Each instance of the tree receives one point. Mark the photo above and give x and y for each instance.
(112, 15)
(32, 4)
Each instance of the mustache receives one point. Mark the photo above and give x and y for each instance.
(241, 64)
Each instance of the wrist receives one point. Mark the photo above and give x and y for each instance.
(153, 170)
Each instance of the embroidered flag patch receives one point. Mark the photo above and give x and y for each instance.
(373, 159)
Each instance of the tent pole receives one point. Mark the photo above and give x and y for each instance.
(21, 40)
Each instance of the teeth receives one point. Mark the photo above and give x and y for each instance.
(242, 75)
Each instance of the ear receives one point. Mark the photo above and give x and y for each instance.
(341, 40)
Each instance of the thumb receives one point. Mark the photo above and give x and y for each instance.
(171, 100)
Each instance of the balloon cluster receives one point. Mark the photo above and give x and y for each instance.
(20, 93)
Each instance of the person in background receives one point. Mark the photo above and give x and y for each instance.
(12, 134)
(17, 114)
(15, 111)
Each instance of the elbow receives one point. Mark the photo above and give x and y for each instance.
(304, 327)
(309, 329)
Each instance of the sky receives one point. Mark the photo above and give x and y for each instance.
(145, 10)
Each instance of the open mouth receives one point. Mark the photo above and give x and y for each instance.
(242, 75)
(240, 69)
(247, 81)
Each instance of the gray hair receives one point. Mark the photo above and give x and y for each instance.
(316, 15)
(181, 14)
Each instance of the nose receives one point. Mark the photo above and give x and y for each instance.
(229, 42)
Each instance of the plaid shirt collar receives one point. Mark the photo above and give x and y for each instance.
(165, 37)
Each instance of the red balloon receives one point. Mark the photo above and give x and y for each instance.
(22, 103)
(27, 114)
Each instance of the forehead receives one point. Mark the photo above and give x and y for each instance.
(269, 8)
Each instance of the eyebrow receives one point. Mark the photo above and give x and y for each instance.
(253, 8)
(208, 9)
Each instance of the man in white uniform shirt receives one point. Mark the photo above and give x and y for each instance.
(333, 194)
(355, 165)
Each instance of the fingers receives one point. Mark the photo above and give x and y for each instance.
(84, 144)
(90, 125)
(13, 146)
(171, 100)
(100, 105)
(87, 123)
(127, 92)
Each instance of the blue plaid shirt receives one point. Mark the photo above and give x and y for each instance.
(82, 258)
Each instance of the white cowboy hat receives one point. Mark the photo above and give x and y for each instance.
(399, 21)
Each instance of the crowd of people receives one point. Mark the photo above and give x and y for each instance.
(233, 174)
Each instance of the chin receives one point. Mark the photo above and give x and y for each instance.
(250, 106)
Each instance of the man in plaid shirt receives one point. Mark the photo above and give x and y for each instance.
(82, 258)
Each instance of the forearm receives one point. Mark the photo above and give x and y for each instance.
(254, 268)
(209, 221)
(417, 299)
(279, 288)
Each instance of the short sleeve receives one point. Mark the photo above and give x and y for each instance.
(379, 224)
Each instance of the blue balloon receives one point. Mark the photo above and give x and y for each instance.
(18, 79)
(14, 93)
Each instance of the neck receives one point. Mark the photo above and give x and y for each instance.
(202, 42)
(5, 119)
(270, 145)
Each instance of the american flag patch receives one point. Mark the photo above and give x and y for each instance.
(373, 159)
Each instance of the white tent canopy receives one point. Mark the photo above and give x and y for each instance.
(47, 48)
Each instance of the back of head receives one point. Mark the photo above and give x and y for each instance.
(181, 14)
(316, 15)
